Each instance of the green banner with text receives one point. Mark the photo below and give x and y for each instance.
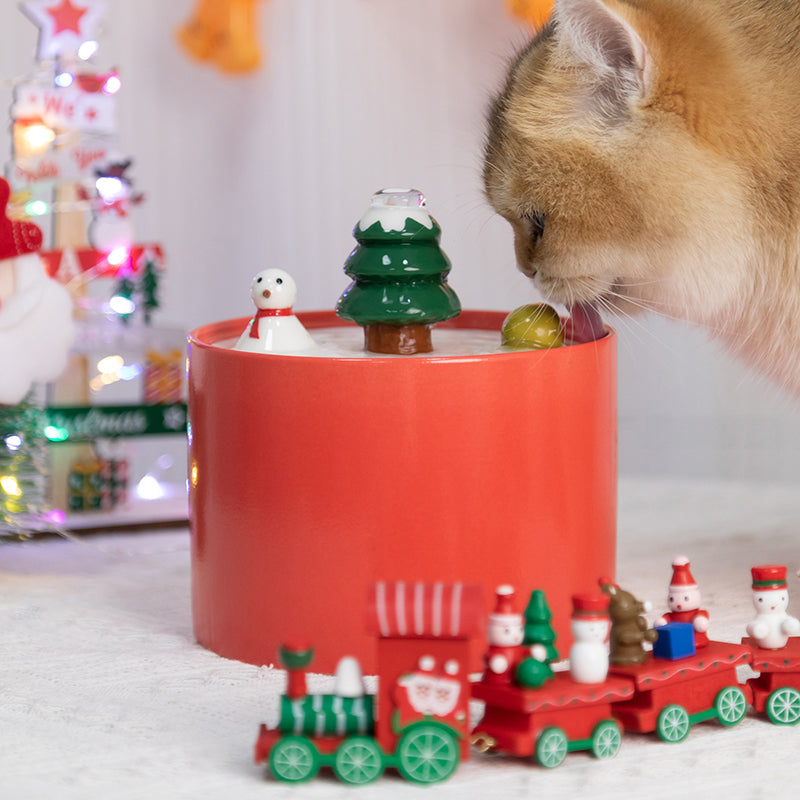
(85, 423)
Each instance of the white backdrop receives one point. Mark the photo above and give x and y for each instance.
(274, 168)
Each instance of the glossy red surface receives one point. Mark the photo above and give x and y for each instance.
(312, 477)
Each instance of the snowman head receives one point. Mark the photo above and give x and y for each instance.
(590, 630)
(771, 601)
(506, 626)
(590, 621)
(683, 598)
(506, 630)
(684, 593)
(770, 595)
(273, 288)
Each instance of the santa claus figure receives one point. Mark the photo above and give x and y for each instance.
(772, 626)
(505, 634)
(36, 328)
(684, 602)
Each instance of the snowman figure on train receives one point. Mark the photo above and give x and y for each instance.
(772, 626)
(684, 601)
(274, 328)
(505, 635)
(590, 624)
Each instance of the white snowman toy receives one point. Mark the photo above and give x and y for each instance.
(274, 328)
(588, 658)
(772, 626)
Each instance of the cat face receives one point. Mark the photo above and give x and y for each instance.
(606, 156)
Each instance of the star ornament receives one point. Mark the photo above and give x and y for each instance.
(64, 25)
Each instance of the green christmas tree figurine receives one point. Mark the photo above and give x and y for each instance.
(399, 274)
(150, 288)
(539, 634)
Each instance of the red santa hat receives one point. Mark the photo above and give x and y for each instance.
(504, 610)
(681, 575)
(590, 606)
(768, 576)
(17, 237)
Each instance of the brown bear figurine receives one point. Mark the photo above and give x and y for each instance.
(628, 628)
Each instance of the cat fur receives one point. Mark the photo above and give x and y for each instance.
(660, 140)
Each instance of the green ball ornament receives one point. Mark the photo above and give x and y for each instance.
(535, 326)
(532, 673)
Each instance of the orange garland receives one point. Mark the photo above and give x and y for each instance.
(223, 32)
(535, 12)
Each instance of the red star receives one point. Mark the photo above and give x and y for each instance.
(66, 17)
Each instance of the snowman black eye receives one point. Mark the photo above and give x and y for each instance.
(279, 280)
(258, 280)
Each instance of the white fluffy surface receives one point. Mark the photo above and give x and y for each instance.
(105, 694)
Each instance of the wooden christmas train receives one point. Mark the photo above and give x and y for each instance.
(418, 722)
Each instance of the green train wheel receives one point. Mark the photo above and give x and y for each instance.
(427, 754)
(294, 759)
(358, 760)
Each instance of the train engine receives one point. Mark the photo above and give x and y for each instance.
(418, 723)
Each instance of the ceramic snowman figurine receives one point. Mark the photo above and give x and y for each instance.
(274, 328)
(772, 626)
(684, 602)
(588, 658)
(111, 228)
(505, 634)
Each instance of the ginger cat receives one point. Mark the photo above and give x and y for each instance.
(647, 156)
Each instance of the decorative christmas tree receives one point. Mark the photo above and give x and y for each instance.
(23, 470)
(66, 167)
(541, 637)
(67, 172)
(399, 275)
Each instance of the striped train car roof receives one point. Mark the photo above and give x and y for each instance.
(398, 609)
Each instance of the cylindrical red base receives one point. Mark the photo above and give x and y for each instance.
(312, 477)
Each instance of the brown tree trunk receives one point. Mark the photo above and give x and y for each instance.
(403, 340)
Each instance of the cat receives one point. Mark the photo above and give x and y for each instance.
(647, 156)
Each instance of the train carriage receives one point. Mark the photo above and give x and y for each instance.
(548, 722)
(776, 690)
(671, 696)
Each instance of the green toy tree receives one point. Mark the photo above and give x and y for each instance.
(125, 289)
(539, 635)
(399, 273)
(149, 288)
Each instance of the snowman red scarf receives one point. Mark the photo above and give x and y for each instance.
(267, 312)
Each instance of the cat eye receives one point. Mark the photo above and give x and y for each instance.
(535, 223)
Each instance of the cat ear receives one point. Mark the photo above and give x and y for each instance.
(601, 38)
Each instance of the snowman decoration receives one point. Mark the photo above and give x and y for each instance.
(590, 623)
(505, 636)
(36, 328)
(772, 626)
(684, 602)
(110, 230)
(274, 328)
